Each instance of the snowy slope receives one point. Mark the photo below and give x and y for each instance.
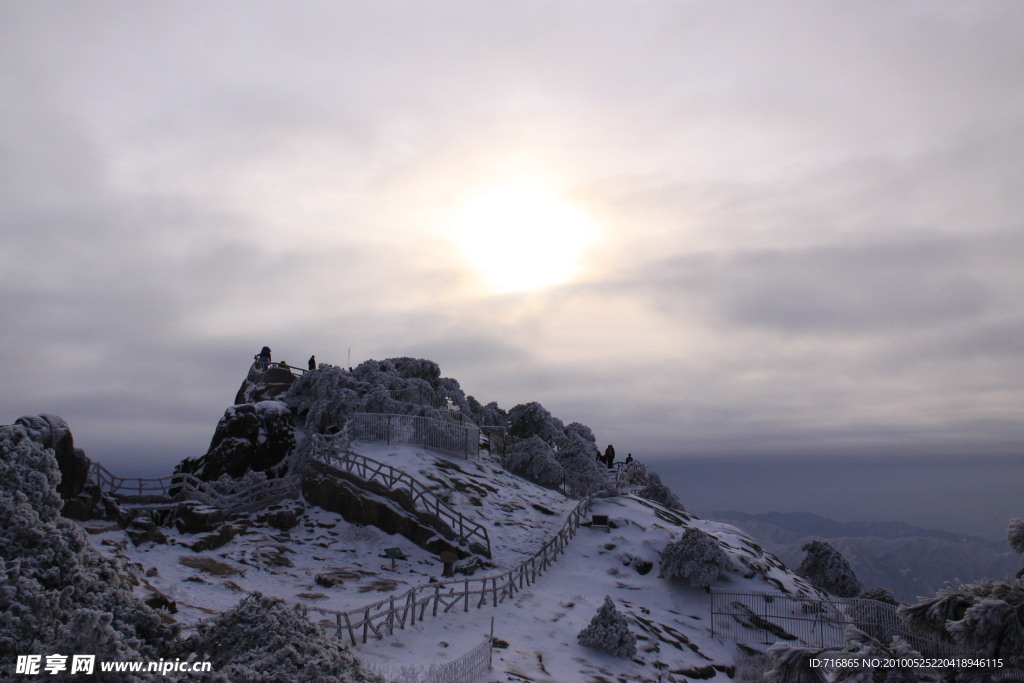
(536, 631)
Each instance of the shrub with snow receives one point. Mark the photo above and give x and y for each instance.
(697, 556)
(826, 568)
(609, 631)
(262, 639)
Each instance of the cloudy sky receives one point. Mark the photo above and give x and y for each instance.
(702, 228)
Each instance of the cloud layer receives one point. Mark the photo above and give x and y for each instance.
(806, 218)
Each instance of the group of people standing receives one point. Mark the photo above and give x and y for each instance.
(263, 358)
(609, 457)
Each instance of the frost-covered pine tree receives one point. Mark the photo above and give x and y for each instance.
(697, 556)
(262, 638)
(609, 631)
(826, 568)
(660, 493)
(57, 593)
(1015, 535)
(535, 460)
(986, 616)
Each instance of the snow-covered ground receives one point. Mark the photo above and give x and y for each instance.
(536, 631)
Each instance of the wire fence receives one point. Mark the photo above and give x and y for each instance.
(421, 496)
(820, 622)
(452, 437)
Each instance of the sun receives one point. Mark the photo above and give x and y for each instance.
(524, 237)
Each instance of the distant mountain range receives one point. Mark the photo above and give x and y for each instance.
(909, 560)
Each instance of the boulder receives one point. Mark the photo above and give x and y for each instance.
(283, 518)
(250, 436)
(51, 431)
(220, 537)
(197, 518)
(144, 531)
(271, 384)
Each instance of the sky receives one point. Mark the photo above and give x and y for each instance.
(704, 229)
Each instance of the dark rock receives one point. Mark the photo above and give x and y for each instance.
(142, 531)
(271, 384)
(220, 537)
(369, 503)
(250, 436)
(158, 600)
(335, 577)
(196, 518)
(283, 518)
(51, 431)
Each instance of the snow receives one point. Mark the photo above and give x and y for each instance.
(536, 630)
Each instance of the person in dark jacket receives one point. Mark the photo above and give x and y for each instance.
(312, 362)
(263, 357)
(609, 456)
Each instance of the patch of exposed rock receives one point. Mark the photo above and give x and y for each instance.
(370, 503)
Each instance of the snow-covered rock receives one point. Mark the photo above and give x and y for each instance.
(249, 437)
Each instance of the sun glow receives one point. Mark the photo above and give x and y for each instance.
(524, 237)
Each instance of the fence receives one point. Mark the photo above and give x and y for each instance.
(383, 616)
(814, 621)
(820, 622)
(420, 395)
(165, 492)
(466, 668)
(442, 435)
(421, 496)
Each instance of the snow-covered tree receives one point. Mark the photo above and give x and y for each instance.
(581, 430)
(534, 459)
(660, 493)
(57, 593)
(826, 568)
(490, 415)
(531, 419)
(697, 556)
(584, 474)
(261, 638)
(984, 617)
(1015, 535)
(609, 631)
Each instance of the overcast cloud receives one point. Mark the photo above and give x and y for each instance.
(806, 217)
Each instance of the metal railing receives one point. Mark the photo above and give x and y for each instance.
(820, 622)
(420, 494)
(442, 435)
(156, 493)
(382, 617)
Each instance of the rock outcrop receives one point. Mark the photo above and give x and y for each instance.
(370, 503)
(51, 431)
(270, 384)
(250, 436)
